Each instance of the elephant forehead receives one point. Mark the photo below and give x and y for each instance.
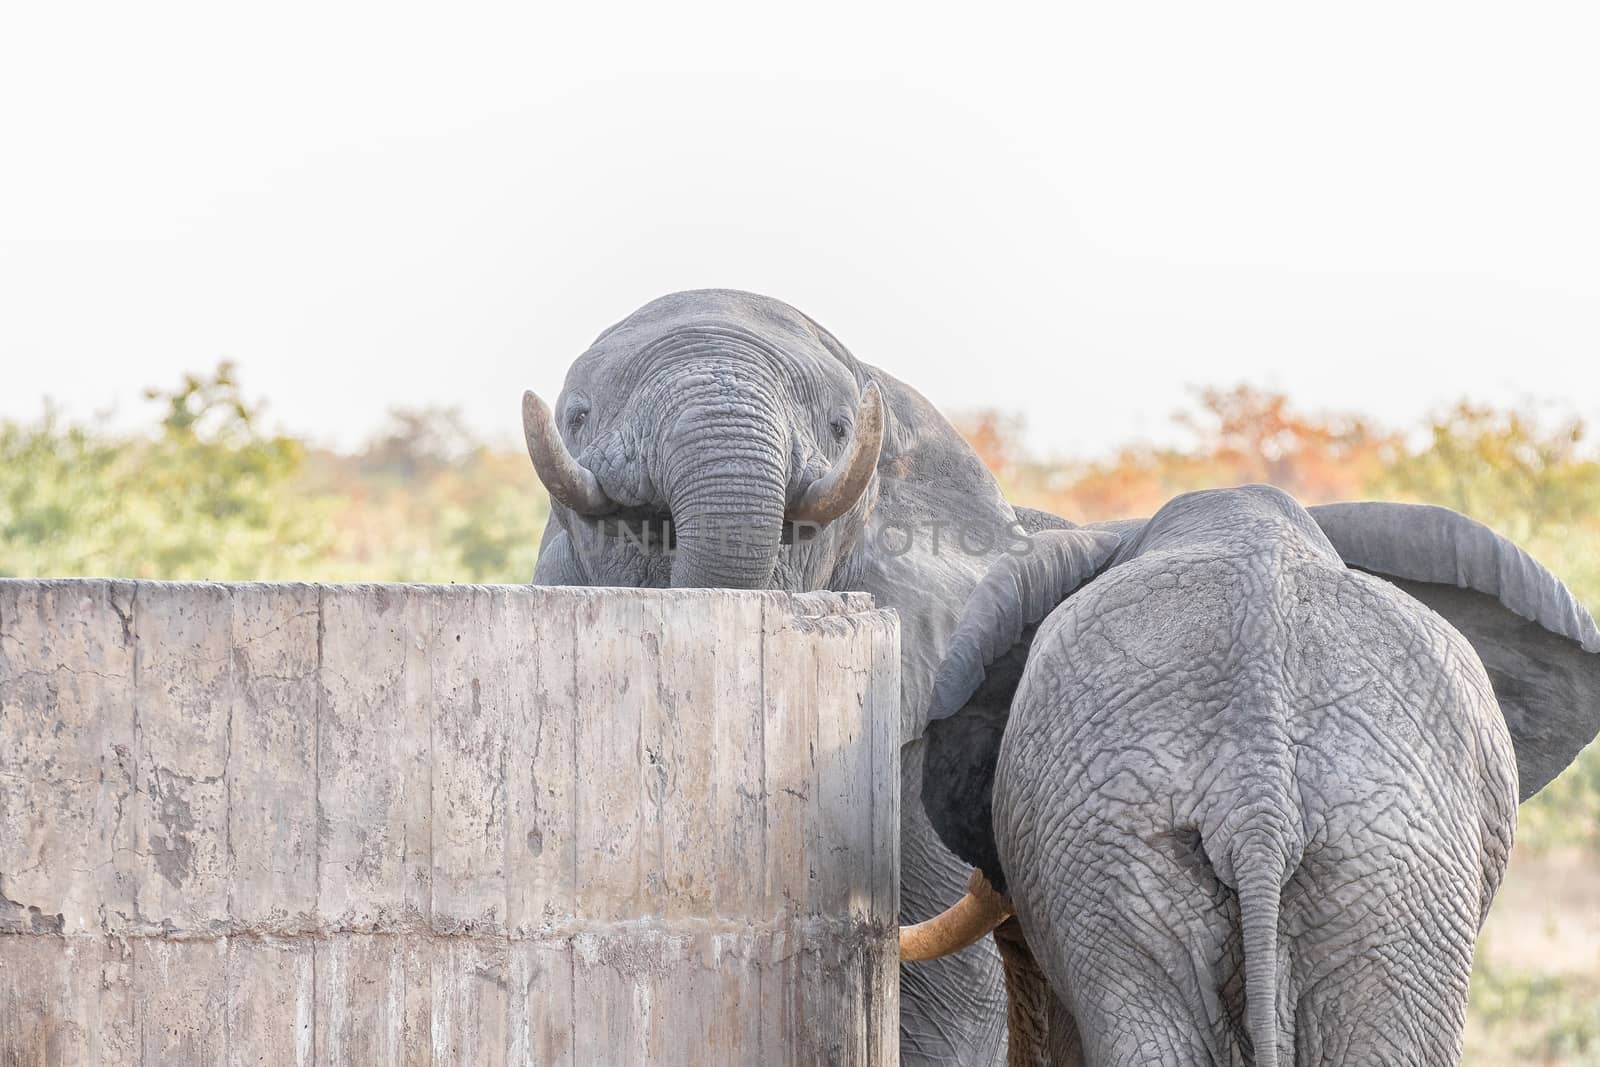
(737, 326)
(762, 314)
(713, 359)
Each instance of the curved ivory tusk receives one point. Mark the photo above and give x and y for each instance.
(570, 482)
(836, 492)
(958, 926)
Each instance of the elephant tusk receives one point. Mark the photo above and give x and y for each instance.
(836, 492)
(570, 483)
(960, 925)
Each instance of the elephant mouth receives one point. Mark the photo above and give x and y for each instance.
(652, 529)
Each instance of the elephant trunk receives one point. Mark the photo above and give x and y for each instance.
(726, 485)
(1028, 997)
(962, 924)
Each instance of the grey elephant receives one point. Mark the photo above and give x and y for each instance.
(1255, 787)
(719, 438)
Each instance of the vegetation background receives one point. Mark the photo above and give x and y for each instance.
(206, 492)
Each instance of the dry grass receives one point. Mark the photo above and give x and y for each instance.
(1536, 987)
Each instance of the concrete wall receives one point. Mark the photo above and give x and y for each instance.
(445, 824)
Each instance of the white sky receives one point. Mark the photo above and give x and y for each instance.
(1072, 215)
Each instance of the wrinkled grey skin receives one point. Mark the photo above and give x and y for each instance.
(1252, 804)
(716, 403)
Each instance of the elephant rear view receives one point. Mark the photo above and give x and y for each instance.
(1251, 803)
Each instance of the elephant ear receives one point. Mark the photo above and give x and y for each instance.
(1539, 645)
(974, 685)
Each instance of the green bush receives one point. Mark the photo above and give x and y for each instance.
(207, 494)
(1541, 1019)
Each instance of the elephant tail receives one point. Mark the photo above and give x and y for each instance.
(1258, 869)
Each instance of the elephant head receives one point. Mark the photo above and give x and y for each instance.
(710, 439)
(717, 438)
(1254, 789)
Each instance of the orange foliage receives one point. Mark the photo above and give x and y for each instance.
(1238, 435)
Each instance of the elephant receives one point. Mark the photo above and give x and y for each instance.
(1246, 774)
(724, 439)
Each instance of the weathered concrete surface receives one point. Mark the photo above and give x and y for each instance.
(445, 824)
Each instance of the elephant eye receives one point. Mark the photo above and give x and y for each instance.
(577, 418)
(840, 428)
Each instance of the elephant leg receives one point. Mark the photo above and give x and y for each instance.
(1028, 999)
(1041, 1029)
(1064, 1044)
(952, 1011)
